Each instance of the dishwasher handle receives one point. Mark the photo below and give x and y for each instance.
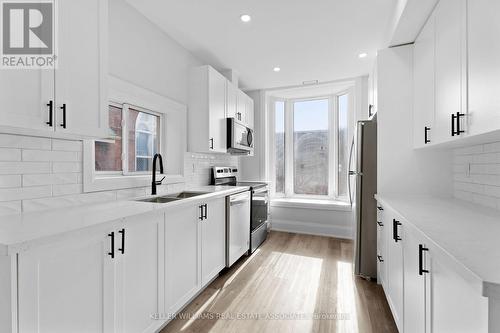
(239, 199)
(238, 202)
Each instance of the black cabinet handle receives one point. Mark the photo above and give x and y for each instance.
(50, 104)
(211, 143)
(421, 250)
(63, 108)
(395, 225)
(380, 259)
(455, 123)
(201, 213)
(426, 138)
(206, 212)
(122, 249)
(380, 208)
(380, 223)
(112, 252)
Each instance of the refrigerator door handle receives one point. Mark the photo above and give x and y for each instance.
(351, 173)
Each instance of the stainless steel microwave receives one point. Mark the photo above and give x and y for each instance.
(239, 138)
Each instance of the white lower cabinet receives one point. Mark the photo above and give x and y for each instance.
(213, 240)
(415, 282)
(67, 286)
(139, 276)
(394, 269)
(424, 290)
(194, 249)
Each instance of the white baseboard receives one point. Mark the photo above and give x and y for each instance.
(310, 228)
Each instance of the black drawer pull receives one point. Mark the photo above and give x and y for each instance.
(380, 208)
(380, 259)
(395, 235)
(201, 213)
(206, 211)
(421, 250)
(112, 252)
(380, 223)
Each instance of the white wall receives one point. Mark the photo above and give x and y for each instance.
(139, 52)
(401, 169)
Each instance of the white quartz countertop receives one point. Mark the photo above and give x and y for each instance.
(19, 231)
(467, 233)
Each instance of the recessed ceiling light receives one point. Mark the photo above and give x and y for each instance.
(245, 18)
(276, 69)
(362, 55)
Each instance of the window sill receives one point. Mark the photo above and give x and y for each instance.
(311, 204)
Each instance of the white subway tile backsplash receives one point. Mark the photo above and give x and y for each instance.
(66, 145)
(49, 179)
(10, 181)
(482, 185)
(23, 193)
(44, 173)
(66, 189)
(66, 167)
(13, 168)
(27, 142)
(10, 154)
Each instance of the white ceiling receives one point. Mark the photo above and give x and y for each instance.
(308, 39)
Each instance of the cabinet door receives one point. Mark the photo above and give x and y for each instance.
(67, 287)
(455, 306)
(182, 256)
(24, 98)
(414, 286)
(381, 245)
(232, 100)
(423, 76)
(484, 65)
(249, 112)
(213, 240)
(140, 272)
(450, 67)
(217, 111)
(81, 74)
(394, 263)
(241, 107)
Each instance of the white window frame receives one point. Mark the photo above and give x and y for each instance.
(289, 145)
(172, 140)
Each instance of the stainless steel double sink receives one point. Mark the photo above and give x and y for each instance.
(173, 197)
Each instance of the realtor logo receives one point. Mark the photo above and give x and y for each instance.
(28, 30)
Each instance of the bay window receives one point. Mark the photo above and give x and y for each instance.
(308, 146)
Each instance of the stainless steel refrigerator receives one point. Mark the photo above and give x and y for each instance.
(362, 188)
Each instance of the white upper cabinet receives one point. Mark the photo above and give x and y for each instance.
(81, 85)
(232, 100)
(213, 99)
(456, 70)
(450, 70)
(207, 110)
(37, 99)
(423, 76)
(484, 65)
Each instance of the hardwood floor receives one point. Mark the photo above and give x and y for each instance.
(293, 283)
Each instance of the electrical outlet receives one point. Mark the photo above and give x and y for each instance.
(467, 170)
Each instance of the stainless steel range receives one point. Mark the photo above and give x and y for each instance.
(259, 209)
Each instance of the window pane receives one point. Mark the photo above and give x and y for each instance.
(279, 110)
(143, 131)
(343, 105)
(108, 155)
(310, 137)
